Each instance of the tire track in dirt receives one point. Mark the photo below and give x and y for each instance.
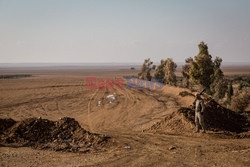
(103, 114)
(164, 106)
(89, 109)
(124, 104)
(43, 87)
(134, 109)
(121, 107)
(41, 100)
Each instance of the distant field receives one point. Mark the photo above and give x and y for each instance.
(14, 76)
(118, 69)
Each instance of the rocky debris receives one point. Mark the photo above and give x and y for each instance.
(63, 135)
(216, 118)
(108, 99)
(111, 98)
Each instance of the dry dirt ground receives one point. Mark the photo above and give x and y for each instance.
(55, 93)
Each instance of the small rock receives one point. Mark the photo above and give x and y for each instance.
(172, 148)
(99, 103)
(127, 147)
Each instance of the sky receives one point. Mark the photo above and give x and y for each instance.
(121, 31)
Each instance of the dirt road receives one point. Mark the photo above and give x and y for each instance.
(135, 149)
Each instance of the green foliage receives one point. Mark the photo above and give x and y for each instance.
(218, 74)
(219, 85)
(230, 93)
(170, 68)
(146, 68)
(185, 72)
(217, 62)
(203, 49)
(241, 99)
(160, 70)
(207, 73)
(220, 88)
(242, 78)
(240, 86)
(202, 68)
(243, 84)
(166, 71)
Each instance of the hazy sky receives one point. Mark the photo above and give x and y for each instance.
(122, 30)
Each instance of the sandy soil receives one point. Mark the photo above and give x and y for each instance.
(53, 94)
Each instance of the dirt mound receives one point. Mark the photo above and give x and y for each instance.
(217, 118)
(63, 135)
(220, 118)
(174, 123)
(5, 124)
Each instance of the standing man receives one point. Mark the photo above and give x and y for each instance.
(199, 113)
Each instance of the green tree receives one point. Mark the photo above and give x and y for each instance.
(218, 74)
(160, 70)
(202, 68)
(220, 88)
(185, 72)
(219, 85)
(170, 68)
(146, 68)
(207, 72)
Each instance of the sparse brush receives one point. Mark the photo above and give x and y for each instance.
(241, 100)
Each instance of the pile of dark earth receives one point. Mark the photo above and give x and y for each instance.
(219, 122)
(63, 135)
(219, 118)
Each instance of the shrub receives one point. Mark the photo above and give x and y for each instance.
(241, 99)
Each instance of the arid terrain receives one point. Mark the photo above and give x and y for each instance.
(135, 121)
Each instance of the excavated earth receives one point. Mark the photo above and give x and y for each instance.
(63, 135)
(216, 119)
